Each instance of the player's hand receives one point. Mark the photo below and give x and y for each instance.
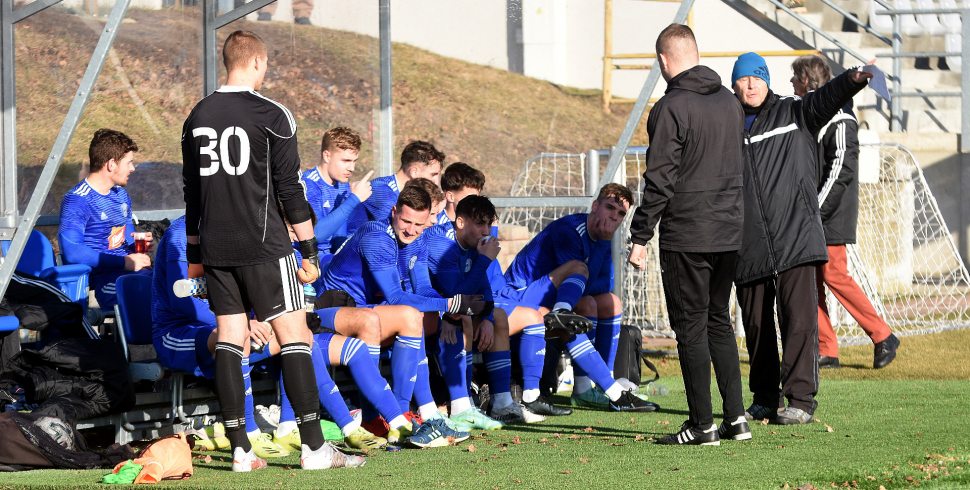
(362, 189)
(310, 269)
(489, 247)
(448, 332)
(484, 335)
(471, 305)
(137, 262)
(148, 235)
(260, 332)
(859, 76)
(638, 256)
(195, 270)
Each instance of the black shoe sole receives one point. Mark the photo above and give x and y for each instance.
(650, 407)
(671, 440)
(570, 323)
(881, 363)
(548, 410)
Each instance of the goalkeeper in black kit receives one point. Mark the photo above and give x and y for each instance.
(240, 160)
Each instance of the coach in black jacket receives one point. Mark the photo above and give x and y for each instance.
(692, 185)
(783, 240)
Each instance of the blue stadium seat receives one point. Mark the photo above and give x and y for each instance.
(8, 323)
(38, 260)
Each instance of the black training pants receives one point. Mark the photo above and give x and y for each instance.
(796, 295)
(697, 287)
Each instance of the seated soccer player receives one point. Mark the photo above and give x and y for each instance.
(566, 267)
(96, 227)
(419, 159)
(462, 256)
(365, 267)
(457, 181)
(328, 190)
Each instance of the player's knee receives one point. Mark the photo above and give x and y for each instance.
(609, 304)
(413, 321)
(370, 325)
(577, 267)
(586, 306)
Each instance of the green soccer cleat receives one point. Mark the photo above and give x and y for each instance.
(265, 448)
(591, 398)
(397, 436)
(476, 419)
(361, 438)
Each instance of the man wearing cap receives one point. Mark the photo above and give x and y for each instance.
(782, 240)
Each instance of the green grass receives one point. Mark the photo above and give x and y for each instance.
(884, 429)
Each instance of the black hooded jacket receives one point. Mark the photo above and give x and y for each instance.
(838, 182)
(782, 227)
(693, 180)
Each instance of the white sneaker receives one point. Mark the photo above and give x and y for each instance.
(531, 417)
(267, 418)
(243, 462)
(328, 456)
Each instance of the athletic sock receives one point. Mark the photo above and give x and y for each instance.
(469, 369)
(248, 385)
(422, 386)
(581, 381)
(301, 387)
(532, 354)
(499, 367)
(330, 396)
(372, 386)
(452, 361)
(459, 405)
(586, 356)
(398, 422)
(231, 391)
(529, 396)
(404, 365)
(287, 426)
(368, 411)
(428, 411)
(607, 337)
(287, 418)
(570, 291)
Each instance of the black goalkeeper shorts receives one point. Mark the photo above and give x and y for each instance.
(269, 289)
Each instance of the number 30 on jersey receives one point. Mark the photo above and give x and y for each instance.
(223, 150)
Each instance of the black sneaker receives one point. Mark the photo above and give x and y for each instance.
(563, 319)
(264, 17)
(826, 362)
(737, 430)
(885, 352)
(760, 412)
(629, 402)
(542, 406)
(692, 436)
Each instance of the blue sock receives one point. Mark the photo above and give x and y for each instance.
(607, 337)
(367, 410)
(499, 367)
(248, 383)
(587, 360)
(372, 386)
(422, 387)
(570, 291)
(452, 361)
(286, 410)
(591, 335)
(330, 396)
(404, 365)
(469, 369)
(532, 354)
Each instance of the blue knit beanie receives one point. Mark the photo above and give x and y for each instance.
(750, 65)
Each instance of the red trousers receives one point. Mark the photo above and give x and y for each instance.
(835, 275)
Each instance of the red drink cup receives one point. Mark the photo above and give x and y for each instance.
(142, 243)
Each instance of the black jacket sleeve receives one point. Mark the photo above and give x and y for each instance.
(191, 181)
(818, 107)
(663, 167)
(841, 154)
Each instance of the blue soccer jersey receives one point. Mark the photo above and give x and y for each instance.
(168, 310)
(455, 270)
(333, 205)
(378, 206)
(366, 267)
(561, 241)
(96, 231)
(442, 218)
(412, 265)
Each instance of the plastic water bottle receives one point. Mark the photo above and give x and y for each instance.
(184, 288)
(657, 389)
(309, 295)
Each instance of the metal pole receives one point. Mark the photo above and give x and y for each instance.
(641, 105)
(387, 121)
(896, 104)
(47, 176)
(592, 172)
(210, 68)
(8, 86)
(608, 56)
(965, 84)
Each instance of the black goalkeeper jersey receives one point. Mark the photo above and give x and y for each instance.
(239, 160)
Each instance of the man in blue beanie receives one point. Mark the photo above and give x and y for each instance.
(782, 239)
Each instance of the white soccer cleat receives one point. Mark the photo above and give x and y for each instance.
(243, 462)
(326, 457)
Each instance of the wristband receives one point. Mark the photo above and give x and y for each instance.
(193, 253)
(308, 248)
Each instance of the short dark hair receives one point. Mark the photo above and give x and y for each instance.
(415, 198)
(476, 208)
(240, 47)
(108, 144)
(420, 152)
(616, 191)
(459, 175)
(340, 138)
(430, 187)
(813, 68)
(673, 35)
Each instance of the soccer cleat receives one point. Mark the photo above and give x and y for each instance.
(378, 426)
(509, 414)
(243, 461)
(361, 438)
(264, 447)
(826, 362)
(413, 417)
(630, 402)
(429, 434)
(692, 436)
(760, 412)
(476, 419)
(591, 398)
(565, 320)
(737, 430)
(531, 417)
(326, 457)
(885, 352)
(267, 418)
(217, 432)
(542, 406)
(398, 435)
(290, 442)
(793, 416)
